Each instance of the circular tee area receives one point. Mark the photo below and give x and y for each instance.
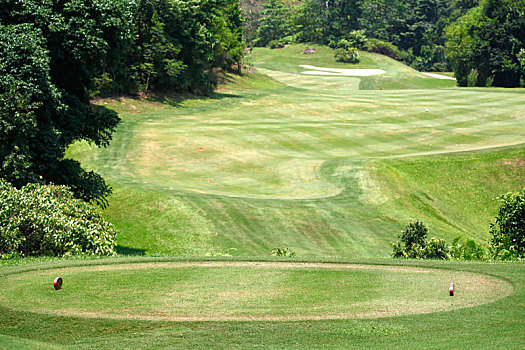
(222, 291)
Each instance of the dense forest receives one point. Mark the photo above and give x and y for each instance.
(481, 39)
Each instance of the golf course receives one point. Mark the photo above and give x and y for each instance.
(327, 159)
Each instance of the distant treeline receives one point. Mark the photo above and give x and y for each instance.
(492, 32)
(161, 44)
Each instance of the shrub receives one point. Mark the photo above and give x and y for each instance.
(357, 38)
(48, 220)
(508, 233)
(275, 44)
(472, 79)
(383, 48)
(470, 250)
(436, 249)
(413, 244)
(412, 241)
(350, 55)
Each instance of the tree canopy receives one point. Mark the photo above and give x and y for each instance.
(55, 54)
(485, 45)
(50, 53)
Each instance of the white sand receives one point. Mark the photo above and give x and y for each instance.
(341, 72)
(438, 76)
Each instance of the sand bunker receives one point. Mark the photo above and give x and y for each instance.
(341, 72)
(439, 76)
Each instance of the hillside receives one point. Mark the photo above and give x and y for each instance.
(326, 165)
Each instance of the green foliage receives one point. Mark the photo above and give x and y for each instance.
(435, 249)
(178, 43)
(357, 39)
(473, 77)
(470, 250)
(50, 55)
(275, 44)
(347, 55)
(282, 251)
(383, 48)
(413, 244)
(507, 239)
(412, 240)
(488, 39)
(48, 220)
(274, 23)
(416, 27)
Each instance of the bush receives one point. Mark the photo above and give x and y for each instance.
(275, 44)
(412, 241)
(472, 79)
(470, 250)
(508, 233)
(48, 220)
(350, 55)
(357, 38)
(413, 244)
(383, 48)
(436, 249)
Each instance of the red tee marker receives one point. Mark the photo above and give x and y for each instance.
(451, 289)
(58, 283)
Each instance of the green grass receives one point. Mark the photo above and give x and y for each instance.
(331, 167)
(309, 162)
(90, 285)
(246, 291)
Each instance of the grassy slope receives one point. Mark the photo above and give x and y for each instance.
(495, 325)
(309, 162)
(454, 194)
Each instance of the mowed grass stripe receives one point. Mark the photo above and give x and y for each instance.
(288, 166)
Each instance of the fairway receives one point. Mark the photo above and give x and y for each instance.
(228, 291)
(320, 164)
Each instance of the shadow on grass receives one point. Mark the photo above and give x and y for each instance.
(173, 99)
(121, 250)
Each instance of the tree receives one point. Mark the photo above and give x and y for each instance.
(50, 54)
(274, 23)
(508, 232)
(384, 19)
(178, 43)
(487, 41)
